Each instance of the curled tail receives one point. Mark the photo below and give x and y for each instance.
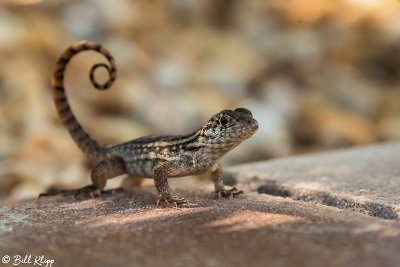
(87, 144)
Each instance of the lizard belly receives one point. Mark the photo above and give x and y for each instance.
(142, 168)
(205, 160)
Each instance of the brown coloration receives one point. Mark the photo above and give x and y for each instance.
(130, 181)
(87, 144)
(220, 190)
(157, 157)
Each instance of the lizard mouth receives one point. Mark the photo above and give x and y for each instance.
(245, 131)
(253, 128)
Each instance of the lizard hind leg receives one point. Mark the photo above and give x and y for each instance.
(131, 181)
(105, 169)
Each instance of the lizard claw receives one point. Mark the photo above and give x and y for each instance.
(175, 201)
(231, 193)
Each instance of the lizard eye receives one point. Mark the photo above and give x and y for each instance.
(224, 120)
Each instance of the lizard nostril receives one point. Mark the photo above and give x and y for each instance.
(250, 120)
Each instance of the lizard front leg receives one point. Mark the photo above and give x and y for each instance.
(161, 171)
(220, 191)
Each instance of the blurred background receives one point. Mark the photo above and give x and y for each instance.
(317, 75)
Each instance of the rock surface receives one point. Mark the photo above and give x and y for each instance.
(365, 179)
(126, 229)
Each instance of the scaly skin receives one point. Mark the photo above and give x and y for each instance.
(157, 157)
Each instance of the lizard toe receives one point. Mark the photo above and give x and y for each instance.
(227, 193)
(89, 191)
(172, 201)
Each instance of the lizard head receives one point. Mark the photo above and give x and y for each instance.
(229, 128)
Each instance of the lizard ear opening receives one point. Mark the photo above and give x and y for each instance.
(245, 111)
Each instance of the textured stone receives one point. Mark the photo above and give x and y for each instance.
(126, 229)
(365, 179)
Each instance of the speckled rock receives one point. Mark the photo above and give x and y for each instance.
(127, 229)
(365, 179)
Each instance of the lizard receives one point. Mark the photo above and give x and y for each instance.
(157, 157)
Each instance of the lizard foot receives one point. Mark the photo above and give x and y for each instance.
(174, 201)
(87, 191)
(227, 193)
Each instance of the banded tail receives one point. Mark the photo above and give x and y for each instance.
(87, 144)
